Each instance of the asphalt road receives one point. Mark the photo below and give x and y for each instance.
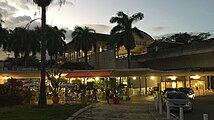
(201, 105)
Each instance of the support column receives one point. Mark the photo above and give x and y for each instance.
(160, 84)
(120, 90)
(204, 85)
(185, 82)
(210, 83)
(146, 86)
(140, 87)
(189, 81)
(164, 82)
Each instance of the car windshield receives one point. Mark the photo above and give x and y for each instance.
(186, 90)
(176, 95)
(169, 89)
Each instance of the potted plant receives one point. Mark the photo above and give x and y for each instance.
(54, 76)
(115, 99)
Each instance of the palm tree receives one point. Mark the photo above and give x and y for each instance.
(55, 41)
(4, 34)
(56, 46)
(123, 30)
(42, 95)
(23, 42)
(43, 4)
(82, 40)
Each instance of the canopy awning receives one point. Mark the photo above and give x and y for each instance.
(132, 72)
(92, 73)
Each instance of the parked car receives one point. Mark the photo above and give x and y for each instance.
(176, 99)
(188, 91)
(169, 89)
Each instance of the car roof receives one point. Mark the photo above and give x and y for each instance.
(171, 89)
(174, 92)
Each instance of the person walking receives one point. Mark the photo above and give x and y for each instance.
(95, 94)
(107, 95)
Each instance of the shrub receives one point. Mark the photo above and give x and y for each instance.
(10, 95)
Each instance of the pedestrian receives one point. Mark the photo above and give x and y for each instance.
(107, 95)
(95, 94)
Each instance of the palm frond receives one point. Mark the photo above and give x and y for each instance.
(136, 17)
(117, 29)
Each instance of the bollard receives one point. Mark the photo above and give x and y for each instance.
(156, 103)
(181, 113)
(167, 111)
(205, 116)
(160, 107)
(160, 103)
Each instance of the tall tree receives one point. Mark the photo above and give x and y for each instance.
(56, 46)
(23, 42)
(83, 40)
(55, 41)
(124, 31)
(186, 38)
(4, 34)
(43, 4)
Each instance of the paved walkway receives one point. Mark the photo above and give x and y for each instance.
(139, 108)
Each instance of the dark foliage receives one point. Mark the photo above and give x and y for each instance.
(76, 66)
(12, 93)
(186, 38)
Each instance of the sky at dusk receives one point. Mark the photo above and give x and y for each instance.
(161, 17)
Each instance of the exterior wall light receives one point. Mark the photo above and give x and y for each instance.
(5, 77)
(172, 77)
(195, 77)
(97, 78)
(90, 80)
(152, 77)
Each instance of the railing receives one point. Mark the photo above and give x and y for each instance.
(158, 106)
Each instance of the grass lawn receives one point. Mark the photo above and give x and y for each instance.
(30, 112)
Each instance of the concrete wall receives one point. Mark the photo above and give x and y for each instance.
(105, 60)
(182, 62)
(183, 57)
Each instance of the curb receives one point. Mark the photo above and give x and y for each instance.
(79, 112)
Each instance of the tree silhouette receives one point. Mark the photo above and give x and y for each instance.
(124, 31)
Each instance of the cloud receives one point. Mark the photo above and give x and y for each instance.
(24, 4)
(159, 28)
(68, 35)
(23, 18)
(7, 10)
(99, 28)
(19, 21)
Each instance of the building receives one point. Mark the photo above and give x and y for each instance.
(153, 64)
(180, 65)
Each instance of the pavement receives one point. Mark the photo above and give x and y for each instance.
(138, 108)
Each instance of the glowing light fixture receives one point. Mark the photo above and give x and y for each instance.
(56, 76)
(90, 80)
(134, 78)
(97, 78)
(152, 77)
(173, 84)
(195, 77)
(125, 83)
(172, 77)
(5, 77)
